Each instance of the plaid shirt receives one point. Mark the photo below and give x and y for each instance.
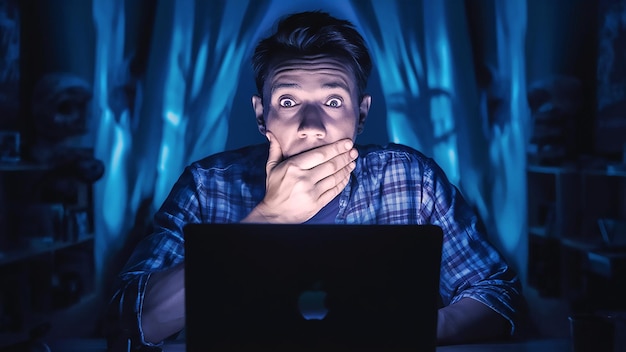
(390, 185)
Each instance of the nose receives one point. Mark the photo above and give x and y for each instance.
(311, 123)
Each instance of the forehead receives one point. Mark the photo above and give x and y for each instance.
(318, 70)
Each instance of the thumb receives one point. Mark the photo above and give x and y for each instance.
(275, 154)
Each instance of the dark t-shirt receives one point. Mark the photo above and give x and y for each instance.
(327, 214)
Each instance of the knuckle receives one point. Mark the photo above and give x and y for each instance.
(292, 167)
(320, 154)
(333, 165)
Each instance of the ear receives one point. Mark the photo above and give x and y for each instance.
(364, 109)
(257, 105)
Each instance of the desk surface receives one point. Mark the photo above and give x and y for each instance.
(551, 345)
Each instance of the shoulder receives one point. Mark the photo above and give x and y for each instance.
(398, 159)
(248, 157)
(392, 152)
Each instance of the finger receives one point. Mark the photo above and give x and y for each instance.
(331, 186)
(332, 166)
(311, 158)
(275, 153)
(335, 179)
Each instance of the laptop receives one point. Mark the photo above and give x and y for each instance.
(251, 287)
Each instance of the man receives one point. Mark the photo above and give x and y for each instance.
(311, 75)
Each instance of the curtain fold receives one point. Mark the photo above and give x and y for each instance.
(509, 138)
(181, 106)
(113, 139)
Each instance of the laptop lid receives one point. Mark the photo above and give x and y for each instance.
(311, 287)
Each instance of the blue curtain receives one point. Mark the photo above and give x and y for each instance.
(193, 98)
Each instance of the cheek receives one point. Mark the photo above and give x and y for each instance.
(283, 129)
(345, 126)
(277, 124)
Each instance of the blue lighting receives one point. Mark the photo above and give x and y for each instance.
(173, 119)
(196, 96)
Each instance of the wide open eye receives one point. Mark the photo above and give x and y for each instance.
(286, 102)
(334, 102)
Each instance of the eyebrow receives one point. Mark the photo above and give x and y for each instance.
(328, 85)
(284, 85)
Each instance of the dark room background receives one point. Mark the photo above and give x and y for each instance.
(485, 87)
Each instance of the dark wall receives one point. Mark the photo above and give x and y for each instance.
(9, 63)
(57, 36)
(562, 40)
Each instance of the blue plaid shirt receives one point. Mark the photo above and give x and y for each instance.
(390, 185)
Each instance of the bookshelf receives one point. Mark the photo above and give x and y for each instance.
(46, 249)
(569, 256)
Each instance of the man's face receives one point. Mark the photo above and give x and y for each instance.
(309, 102)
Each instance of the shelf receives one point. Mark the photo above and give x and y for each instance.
(543, 169)
(23, 166)
(609, 171)
(610, 264)
(49, 265)
(25, 253)
(540, 231)
(615, 170)
(583, 245)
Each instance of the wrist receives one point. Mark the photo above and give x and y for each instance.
(257, 215)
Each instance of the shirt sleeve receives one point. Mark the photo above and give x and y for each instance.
(162, 249)
(471, 266)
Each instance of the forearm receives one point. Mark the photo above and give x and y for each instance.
(469, 320)
(163, 312)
